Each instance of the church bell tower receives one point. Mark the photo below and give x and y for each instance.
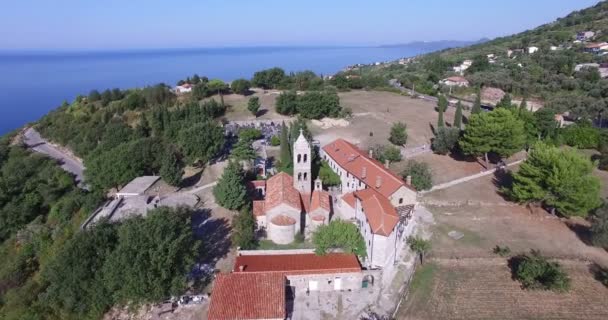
(302, 179)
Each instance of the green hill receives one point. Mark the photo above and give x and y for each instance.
(547, 76)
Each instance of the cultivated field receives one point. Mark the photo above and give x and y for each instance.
(483, 289)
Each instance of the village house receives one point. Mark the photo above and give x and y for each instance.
(532, 50)
(378, 201)
(596, 48)
(455, 81)
(585, 35)
(288, 206)
(466, 64)
(184, 88)
(261, 284)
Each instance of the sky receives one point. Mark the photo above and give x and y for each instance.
(138, 24)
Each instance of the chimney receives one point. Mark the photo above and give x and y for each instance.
(371, 153)
(241, 268)
(364, 173)
(408, 180)
(386, 164)
(378, 182)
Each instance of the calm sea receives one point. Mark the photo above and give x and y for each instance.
(33, 83)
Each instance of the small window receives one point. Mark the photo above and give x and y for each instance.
(400, 200)
(305, 158)
(305, 176)
(299, 158)
(299, 176)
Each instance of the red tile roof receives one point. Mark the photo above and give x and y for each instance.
(370, 171)
(457, 79)
(248, 296)
(258, 208)
(380, 213)
(283, 220)
(279, 190)
(349, 198)
(319, 199)
(290, 264)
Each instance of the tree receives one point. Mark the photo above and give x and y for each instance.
(285, 148)
(545, 123)
(422, 179)
(477, 105)
(339, 235)
(398, 135)
(230, 191)
(498, 131)
(524, 104)
(172, 168)
(560, 179)
(287, 103)
(240, 86)
(318, 104)
(458, 116)
(388, 153)
(440, 121)
(268, 79)
(94, 95)
(201, 142)
(536, 272)
(599, 227)
(328, 176)
(442, 103)
(505, 102)
(420, 246)
(243, 150)
(581, 135)
(446, 139)
(275, 141)
(243, 229)
(153, 257)
(217, 86)
(253, 105)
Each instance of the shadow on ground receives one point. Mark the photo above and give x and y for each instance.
(214, 233)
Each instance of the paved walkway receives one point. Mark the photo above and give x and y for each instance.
(201, 188)
(69, 163)
(468, 178)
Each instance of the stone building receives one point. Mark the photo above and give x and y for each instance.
(378, 201)
(288, 206)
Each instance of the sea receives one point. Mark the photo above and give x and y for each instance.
(34, 82)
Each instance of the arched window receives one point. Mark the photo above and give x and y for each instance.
(400, 200)
(305, 176)
(305, 158)
(299, 158)
(300, 176)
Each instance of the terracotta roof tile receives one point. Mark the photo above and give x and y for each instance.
(279, 190)
(258, 208)
(283, 220)
(380, 213)
(370, 171)
(306, 201)
(290, 264)
(248, 296)
(320, 199)
(349, 198)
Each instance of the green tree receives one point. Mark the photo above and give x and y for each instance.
(446, 139)
(275, 141)
(217, 86)
(498, 131)
(153, 257)
(477, 105)
(287, 103)
(545, 123)
(599, 227)
(243, 150)
(442, 104)
(172, 168)
(268, 79)
(422, 179)
(505, 102)
(240, 86)
(524, 104)
(536, 272)
(285, 147)
(243, 229)
(94, 95)
(201, 142)
(253, 105)
(458, 116)
(398, 135)
(560, 179)
(230, 191)
(420, 246)
(339, 235)
(327, 175)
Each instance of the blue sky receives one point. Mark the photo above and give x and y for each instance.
(116, 24)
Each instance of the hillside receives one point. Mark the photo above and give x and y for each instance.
(513, 64)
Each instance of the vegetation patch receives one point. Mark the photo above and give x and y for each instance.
(536, 272)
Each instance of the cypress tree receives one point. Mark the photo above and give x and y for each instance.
(524, 104)
(458, 116)
(440, 122)
(285, 152)
(172, 169)
(477, 105)
(230, 191)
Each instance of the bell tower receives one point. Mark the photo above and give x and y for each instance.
(302, 168)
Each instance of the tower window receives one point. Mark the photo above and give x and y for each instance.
(305, 158)
(299, 176)
(299, 158)
(400, 200)
(305, 176)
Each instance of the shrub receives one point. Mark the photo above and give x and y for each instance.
(502, 251)
(581, 135)
(445, 140)
(599, 227)
(339, 235)
(398, 135)
(275, 141)
(422, 179)
(536, 272)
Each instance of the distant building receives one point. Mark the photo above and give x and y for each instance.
(596, 47)
(455, 81)
(601, 68)
(184, 88)
(585, 35)
(137, 186)
(463, 66)
(532, 50)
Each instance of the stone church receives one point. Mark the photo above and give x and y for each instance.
(290, 204)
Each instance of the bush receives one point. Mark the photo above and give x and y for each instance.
(599, 227)
(445, 140)
(502, 251)
(339, 235)
(581, 135)
(240, 86)
(422, 179)
(384, 153)
(398, 134)
(536, 272)
(275, 141)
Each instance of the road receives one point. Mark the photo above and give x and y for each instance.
(69, 163)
